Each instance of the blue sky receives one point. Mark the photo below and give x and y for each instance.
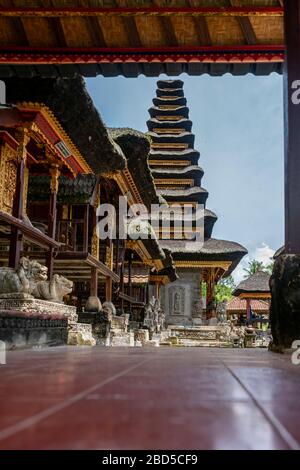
(238, 124)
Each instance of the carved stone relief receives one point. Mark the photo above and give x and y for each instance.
(177, 300)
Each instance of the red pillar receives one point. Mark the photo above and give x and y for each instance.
(292, 126)
(248, 309)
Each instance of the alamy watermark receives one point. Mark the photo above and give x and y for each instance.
(175, 221)
(296, 354)
(2, 93)
(2, 353)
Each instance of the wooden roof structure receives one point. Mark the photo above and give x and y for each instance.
(255, 286)
(129, 37)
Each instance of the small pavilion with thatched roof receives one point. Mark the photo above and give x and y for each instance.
(255, 287)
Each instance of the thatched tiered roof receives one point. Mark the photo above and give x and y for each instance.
(211, 250)
(256, 283)
(173, 161)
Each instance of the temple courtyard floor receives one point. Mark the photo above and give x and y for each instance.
(156, 398)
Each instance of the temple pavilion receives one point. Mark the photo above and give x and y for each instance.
(178, 179)
(255, 287)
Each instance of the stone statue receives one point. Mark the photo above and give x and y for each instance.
(221, 312)
(285, 304)
(161, 317)
(148, 317)
(21, 282)
(53, 290)
(154, 318)
(108, 311)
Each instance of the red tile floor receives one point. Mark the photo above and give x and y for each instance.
(139, 398)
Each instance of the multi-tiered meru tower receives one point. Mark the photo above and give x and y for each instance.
(174, 164)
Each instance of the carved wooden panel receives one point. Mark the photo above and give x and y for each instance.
(8, 177)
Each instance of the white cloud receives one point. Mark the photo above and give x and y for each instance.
(261, 253)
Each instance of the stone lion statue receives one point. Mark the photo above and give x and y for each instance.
(53, 290)
(22, 281)
(108, 310)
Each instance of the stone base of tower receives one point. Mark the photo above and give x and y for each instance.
(181, 300)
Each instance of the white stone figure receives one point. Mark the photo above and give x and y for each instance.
(54, 290)
(221, 312)
(21, 282)
(176, 302)
(109, 310)
(154, 318)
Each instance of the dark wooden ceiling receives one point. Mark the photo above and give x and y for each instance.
(132, 37)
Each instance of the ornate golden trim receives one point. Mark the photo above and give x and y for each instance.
(50, 117)
(169, 163)
(170, 131)
(256, 295)
(174, 182)
(54, 171)
(203, 264)
(169, 145)
(169, 118)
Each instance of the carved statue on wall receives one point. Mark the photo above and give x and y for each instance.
(176, 305)
(53, 290)
(154, 318)
(21, 282)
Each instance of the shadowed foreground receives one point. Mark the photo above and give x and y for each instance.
(164, 398)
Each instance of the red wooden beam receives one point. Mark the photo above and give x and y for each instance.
(249, 53)
(92, 11)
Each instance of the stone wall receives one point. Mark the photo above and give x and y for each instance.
(20, 331)
(181, 298)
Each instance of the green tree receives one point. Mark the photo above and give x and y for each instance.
(224, 289)
(253, 267)
(270, 266)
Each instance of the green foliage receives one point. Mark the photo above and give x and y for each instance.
(224, 289)
(254, 266)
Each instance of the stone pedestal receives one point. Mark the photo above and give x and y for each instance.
(207, 336)
(142, 336)
(28, 322)
(37, 307)
(80, 334)
(285, 305)
(20, 330)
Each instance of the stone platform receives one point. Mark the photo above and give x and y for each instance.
(205, 336)
(29, 322)
(21, 330)
(37, 306)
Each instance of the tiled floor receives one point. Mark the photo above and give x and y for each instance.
(139, 398)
